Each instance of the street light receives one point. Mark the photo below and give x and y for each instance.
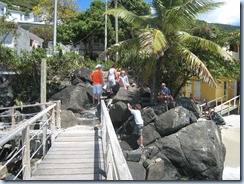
(55, 26)
(106, 29)
(116, 29)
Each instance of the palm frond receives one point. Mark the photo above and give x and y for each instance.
(152, 41)
(129, 45)
(129, 17)
(195, 64)
(203, 44)
(180, 13)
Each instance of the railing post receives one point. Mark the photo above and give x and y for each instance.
(229, 109)
(43, 100)
(12, 113)
(52, 126)
(26, 153)
(58, 117)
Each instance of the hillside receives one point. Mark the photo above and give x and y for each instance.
(29, 4)
(24, 4)
(225, 27)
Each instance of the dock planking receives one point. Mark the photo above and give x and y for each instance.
(75, 155)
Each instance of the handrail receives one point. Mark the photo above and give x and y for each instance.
(229, 104)
(115, 164)
(215, 100)
(23, 129)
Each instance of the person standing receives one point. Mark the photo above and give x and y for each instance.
(138, 122)
(97, 78)
(112, 77)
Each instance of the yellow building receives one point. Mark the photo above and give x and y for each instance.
(201, 91)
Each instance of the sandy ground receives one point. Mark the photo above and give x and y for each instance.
(231, 139)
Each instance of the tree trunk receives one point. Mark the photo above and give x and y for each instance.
(154, 82)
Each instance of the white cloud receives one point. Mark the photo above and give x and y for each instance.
(229, 13)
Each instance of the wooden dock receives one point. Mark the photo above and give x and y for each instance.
(75, 155)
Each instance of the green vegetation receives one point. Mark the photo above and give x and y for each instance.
(163, 41)
(172, 45)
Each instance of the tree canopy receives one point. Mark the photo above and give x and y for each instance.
(163, 39)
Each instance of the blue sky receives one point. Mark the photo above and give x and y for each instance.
(229, 13)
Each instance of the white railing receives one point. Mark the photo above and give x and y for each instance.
(116, 167)
(48, 119)
(216, 101)
(228, 106)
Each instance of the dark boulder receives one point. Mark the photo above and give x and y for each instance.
(172, 121)
(127, 96)
(119, 113)
(196, 151)
(72, 98)
(138, 172)
(148, 115)
(82, 74)
(188, 104)
(150, 134)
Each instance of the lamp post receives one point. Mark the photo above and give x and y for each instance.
(116, 29)
(106, 30)
(55, 26)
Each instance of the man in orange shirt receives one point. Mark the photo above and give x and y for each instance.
(97, 78)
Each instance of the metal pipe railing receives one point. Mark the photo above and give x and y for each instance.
(208, 103)
(115, 164)
(23, 129)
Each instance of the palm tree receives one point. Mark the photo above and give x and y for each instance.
(161, 34)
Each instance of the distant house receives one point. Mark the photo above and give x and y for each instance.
(21, 39)
(19, 17)
(230, 88)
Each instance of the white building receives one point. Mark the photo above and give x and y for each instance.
(18, 16)
(21, 39)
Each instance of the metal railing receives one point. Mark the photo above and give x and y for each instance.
(209, 104)
(228, 106)
(116, 167)
(25, 132)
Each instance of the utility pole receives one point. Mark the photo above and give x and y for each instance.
(106, 30)
(55, 26)
(116, 29)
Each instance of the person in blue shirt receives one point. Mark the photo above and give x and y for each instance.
(165, 93)
(165, 90)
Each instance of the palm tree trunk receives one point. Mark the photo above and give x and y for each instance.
(154, 82)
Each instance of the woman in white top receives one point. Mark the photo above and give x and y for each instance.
(112, 76)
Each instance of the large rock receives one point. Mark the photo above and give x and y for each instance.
(68, 119)
(82, 74)
(119, 113)
(148, 115)
(155, 171)
(188, 104)
(150, 134)
(138, 172)
(172, 121)
(196, 151)
(217, 118)
(127, 96)
(72, 98)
